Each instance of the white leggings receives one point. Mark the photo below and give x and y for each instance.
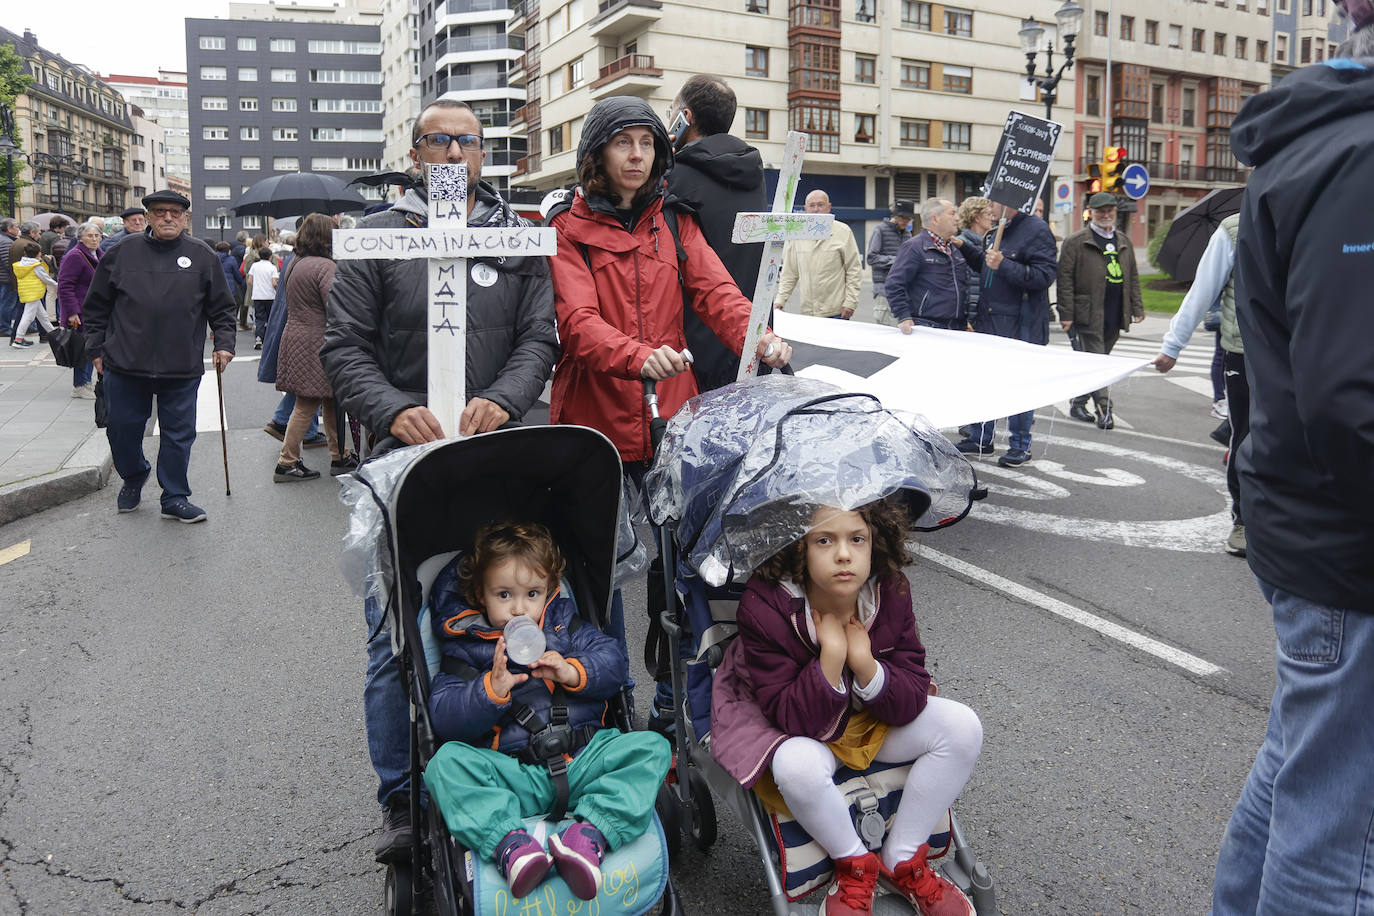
(33, 310)
(943, 743)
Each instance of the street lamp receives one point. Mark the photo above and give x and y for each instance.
(57, 163)
(222, 212)
(8, 147)
(1069, 19)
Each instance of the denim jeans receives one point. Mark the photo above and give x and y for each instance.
(130, 402)
(81, 375)
(386, 710)
(9, 309)
(1018, 426)
(283, 416)
(1301, 839)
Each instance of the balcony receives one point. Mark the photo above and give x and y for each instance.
(617, 18)
(630, 74)
(526, 114)
(457, 7)
(527, 165)
(518, 74)
(463, 44)
(522, 9)
(471, 83)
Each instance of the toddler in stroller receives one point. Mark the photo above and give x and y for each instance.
(828, 643)
(526, 740)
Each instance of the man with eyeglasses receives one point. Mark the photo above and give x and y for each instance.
(145, 318)
(375, 353)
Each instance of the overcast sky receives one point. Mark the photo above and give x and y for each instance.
(133, 36)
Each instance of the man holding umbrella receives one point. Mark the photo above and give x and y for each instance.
(145, 318)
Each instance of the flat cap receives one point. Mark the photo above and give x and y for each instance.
(1101, 199)
(166, 196)
(903, 208)
(132, 211)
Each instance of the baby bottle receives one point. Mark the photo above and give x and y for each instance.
(524, 640)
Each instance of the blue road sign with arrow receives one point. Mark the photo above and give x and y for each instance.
(1136, 180)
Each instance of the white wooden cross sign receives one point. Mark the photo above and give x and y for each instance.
(774, 229)
(447, 243)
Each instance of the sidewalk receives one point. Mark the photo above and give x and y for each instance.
(50, 449)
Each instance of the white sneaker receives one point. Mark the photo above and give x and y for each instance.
(86, 392)
(1219, 409)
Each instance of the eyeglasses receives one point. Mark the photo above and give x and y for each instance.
(166, 211)
(443, 141)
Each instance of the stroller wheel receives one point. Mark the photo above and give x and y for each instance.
(703, 811)
(399, 890)
(670, 816)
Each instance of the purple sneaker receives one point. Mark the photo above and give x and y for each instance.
(522, 861)
(577, 853)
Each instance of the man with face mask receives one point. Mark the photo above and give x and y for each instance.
(1099, 293)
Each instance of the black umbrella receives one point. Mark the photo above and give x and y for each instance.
(386, 180)
(297, 194)
(1192, 229)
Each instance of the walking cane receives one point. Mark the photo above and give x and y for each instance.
(223, 442)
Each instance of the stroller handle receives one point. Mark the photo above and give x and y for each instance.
(657, 424)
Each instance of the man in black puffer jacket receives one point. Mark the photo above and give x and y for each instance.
(717, 175)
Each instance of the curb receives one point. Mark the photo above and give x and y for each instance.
(86, 470)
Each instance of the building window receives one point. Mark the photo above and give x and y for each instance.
(1199, 39)
(248, 44)
(1128, 28)
(1151, 32)
(756, 6)
(346, 134)
(214, 103)
(1156, 152)
(915, 74)
(865, 68)
(863, 128)
(252, 222)
(1218, 42)
(284, 45)
(248, 133)
(1189, 107)
(555, 139)
(343, 47)
(1092, 96)
(284, 74)
(214, 133)
(214, 73)
(368, 106)
(1240, 47)
(286, 164)
(1175, 36)
(286, 134)
(248, 104)
(820, 119)
(217, 192)
(1092, 146)
(1306, 50)
(1262, 7)
(959, 79)
(1281, 49)
(1100, 23)
(575, 73)
(250, 163)
(1330, 50)
(756, 123)
(958, 22)
(248, 74)
(863, 10)
(212, 42)
(342, 76)
(1157, 103)
(215, 163)
(280, 104)
(916, 15)
(915, 133)
(958, 136)
(1262, 51)
(755, 61)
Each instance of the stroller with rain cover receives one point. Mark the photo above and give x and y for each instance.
(414, 510)
(737, 475)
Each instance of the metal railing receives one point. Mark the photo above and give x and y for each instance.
(644, 63)
(463, 43)
(469, 83)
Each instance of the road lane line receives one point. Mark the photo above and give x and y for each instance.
(10, 554)
(1162, 651)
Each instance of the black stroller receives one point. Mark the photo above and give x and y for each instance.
(421, 506)
(737, 474)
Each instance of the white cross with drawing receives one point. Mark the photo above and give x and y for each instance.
(774, 229)
(447, 243)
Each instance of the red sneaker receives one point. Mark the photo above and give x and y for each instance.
(851, 893)
(925, 889)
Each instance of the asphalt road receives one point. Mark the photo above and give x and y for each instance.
(182, 715)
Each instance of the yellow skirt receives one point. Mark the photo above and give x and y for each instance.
(857, 748)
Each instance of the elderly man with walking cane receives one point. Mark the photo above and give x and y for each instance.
(146, 313)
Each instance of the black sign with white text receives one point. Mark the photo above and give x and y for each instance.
(1022, 164)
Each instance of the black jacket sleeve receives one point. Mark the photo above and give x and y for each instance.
(520, 383)
(350, 350)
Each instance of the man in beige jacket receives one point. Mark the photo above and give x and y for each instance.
(829, 271)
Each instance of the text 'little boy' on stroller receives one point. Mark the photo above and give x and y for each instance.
(414, 511)
(737, 477)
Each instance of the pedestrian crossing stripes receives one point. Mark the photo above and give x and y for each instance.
(1193, 358)
(14, 552)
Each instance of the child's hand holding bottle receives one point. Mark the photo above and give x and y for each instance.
(555, 667)
(502, 680)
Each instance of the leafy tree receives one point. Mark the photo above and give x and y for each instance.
(14, 81)
(1157, 242)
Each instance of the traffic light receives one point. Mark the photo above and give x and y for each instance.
(1095, 176)
(1113, 165)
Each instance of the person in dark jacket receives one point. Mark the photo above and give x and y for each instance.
(1299, 839)
(9, 293)
(232, 277)
(883, 246)
(239, 247)
(1013, 301)
(135, 221)
(928, 283)
(375, 344)
(145, 317)
(718, 176)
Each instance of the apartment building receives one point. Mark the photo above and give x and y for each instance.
(269, 96)
(1180, 70)
(401, 96)
(147, 156)
(1305, 32)
(75, 133)
(162, 98)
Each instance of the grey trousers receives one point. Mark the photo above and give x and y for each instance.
(1092, 340)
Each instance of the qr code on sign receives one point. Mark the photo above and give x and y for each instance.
(448, 182)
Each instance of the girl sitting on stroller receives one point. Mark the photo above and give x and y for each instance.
(523, 741)
(828, 639)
